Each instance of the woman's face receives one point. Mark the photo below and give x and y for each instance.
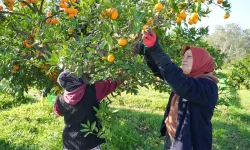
(187, 62)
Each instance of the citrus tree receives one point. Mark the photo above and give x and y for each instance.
(41, 38)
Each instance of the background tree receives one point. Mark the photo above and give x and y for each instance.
(231, 40)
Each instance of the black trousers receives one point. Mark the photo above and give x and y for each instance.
(168, 142)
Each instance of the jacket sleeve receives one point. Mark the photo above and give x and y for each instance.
(193, 89)
(56, 108)
(106, 87)
(151, 64)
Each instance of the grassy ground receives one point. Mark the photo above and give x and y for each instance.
(33, 126)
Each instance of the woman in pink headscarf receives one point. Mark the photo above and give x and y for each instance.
(187, 120)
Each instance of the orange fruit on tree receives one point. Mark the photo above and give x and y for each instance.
(158, 7)
(145, 27)
(114, 14)
(194, 16)
(219, 1)
(195, 21)
(73, 1)
(11, 8)
(22, 4)
(182, 15)
(15, 67)
(227, 15)
(11, 2)
(33, 1)
(75, 11)
(49, 14)
(54, 21)
(190, 22)
(111, 58)
(109, 11)
(1, 8)
(28, 1)
(122, 42)
(48, 20)
(66, 1)
(178, 20)
(71, 15)
(28, 46)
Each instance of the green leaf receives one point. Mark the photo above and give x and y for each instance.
(93, 126)
(88, 123)
(84, 130)
(85, 126)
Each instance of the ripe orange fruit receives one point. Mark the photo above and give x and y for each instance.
(28, 1)
(49, 14)
(182, 15)
(28, 46)
(66, 1)
(145, 27)
(114, 14)
(54, 21)
(22, 4)
(11, 8)
(227, 15)
(71, 15)
(178, 20)
(15, 67)
(75, 11)
(73, 1)
(122, 42)
(1, 8)
(190, 22)
(104, 58)
(195, 21)
(33, 1)
(109, 11)
(158, 7)
(48, 20)
(194, 16)
(111, 58)
(219, 1)
(195, 0)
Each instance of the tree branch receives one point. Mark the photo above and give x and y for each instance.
(28, 5)
(13, 13)
(41, 6)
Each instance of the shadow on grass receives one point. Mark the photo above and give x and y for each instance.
(7, 101)
(130, 130)
(229, 136)
(4, 145)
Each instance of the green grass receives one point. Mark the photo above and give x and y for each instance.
(135, 126)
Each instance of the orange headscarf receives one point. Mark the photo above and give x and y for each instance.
(202, 61)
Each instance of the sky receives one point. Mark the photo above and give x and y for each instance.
(239, 15)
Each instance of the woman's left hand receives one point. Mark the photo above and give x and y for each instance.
(149, 38)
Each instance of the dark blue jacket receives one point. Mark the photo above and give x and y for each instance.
(198, 97)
